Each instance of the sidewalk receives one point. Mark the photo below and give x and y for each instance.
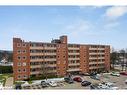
(9, 82)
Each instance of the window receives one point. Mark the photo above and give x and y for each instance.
(19, 57)
(24, 70)
(24, 45)
(24, 51)
(24, 64)
(19, 64)
(19, 51)
(18, 45)
(19, 77)
(19, 70)
(24, 57)
(25, 76)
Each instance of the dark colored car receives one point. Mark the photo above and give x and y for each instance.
(85, 83)
(77, 79)
(84, 74)
(93, 73)
(68, 80)
(95, 77)
(124, 73)
(18, 86)
(94, 87)
(44, 84)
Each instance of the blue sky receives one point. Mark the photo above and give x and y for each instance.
(82, 24)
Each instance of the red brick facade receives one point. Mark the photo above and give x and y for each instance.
(61, 58)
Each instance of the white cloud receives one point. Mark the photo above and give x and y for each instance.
(90, 7)
(78, 28)
(114, 13)
(110, 25)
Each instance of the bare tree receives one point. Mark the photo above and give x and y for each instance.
(114, 57)
(122, 54)
(44, 70)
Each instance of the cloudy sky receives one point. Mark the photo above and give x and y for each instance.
(84, 25)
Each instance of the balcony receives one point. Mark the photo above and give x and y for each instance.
(101, 62)
(90, 63)
(36, 54)
(73, 53)
(101, 48)
(73, 48)
(101, 57)
(50, 48)
(73, 69)
(93, 49)
(42, 48)
(92, 58)
(94, 67)
(35, 66)
(73, 64)
(93, 53)
(73, 59)
(36, 60)
(50, 59)
(49, 53)
(37, 48)
(39, 66)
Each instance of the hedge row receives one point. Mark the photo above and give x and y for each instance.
(6, 69)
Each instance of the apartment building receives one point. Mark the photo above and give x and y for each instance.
(57, 58)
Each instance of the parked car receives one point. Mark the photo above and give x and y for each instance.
(93, 73)
(77, 79)
(103, 86)
(18, 86)
(124, 73)
(107, 85)
(44, 84)
(52, 83)
(85, 83)
(126, 81)
(94, 86)
(84, 74)
(68, 80)
(115, 74)
(95, 77)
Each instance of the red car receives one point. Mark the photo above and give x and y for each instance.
(124, 73)
(77, 79)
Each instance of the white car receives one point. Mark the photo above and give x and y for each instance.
(109, 84)
(52, 83)
(126, 81)
(103, 86)
(114, 88)
(115, 74)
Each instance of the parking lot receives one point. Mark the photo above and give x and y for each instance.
(117, 81)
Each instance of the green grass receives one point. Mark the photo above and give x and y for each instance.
(42, 77)
(30, 82)
(19, 82)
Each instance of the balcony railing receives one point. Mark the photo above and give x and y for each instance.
(73, 69)
(36, 54)
(73, 64)
(73, 48)
(73, 53)
(73, 58)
